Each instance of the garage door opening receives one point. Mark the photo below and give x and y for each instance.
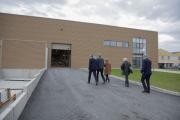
(60, 55)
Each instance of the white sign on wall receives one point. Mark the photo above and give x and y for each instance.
(61, 46)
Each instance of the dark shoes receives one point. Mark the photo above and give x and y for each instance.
(96, 83)
(126, 85)
(108, 81)
(145, 91)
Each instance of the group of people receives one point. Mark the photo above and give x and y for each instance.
(145, 71)
(97, 65)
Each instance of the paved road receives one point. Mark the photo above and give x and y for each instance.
(63, 94)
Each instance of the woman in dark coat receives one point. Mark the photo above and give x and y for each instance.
(126, 70)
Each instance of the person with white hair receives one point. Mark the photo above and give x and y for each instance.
(146, 74)
(126, 70)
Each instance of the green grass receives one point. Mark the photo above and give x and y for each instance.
(169, 81)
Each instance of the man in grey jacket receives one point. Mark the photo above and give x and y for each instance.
(100, 68)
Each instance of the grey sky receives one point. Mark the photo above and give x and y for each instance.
(158, 15)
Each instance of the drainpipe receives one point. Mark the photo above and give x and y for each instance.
(1, 48)
(46, 56)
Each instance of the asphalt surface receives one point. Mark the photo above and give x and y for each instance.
(63, 94)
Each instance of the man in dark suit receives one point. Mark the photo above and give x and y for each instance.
(92, 69)
(146, 73)
(100, 68)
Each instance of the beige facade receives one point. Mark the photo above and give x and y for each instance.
(25, 38)
(168, 59)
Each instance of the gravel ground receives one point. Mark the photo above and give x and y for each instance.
(63, 94)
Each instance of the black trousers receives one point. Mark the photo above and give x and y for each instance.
(126, 80)
(94, 73)
(145, 82)
(107, 78)
(101, 71)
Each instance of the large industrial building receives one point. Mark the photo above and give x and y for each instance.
(36, 42)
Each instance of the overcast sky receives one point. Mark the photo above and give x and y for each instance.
(158, 15)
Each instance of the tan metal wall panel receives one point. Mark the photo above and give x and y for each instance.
(23, 54)
(85, 38)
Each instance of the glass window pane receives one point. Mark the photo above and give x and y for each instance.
(134, 45)
(144, 41)
(137, 45)
(140, 40)
(113, 43)
(137, 40)
(141, 46)
(125, 44)
(106, 42)
(119, 44)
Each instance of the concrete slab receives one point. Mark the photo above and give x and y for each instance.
(13, 84)
(63, 94)
(18, 73)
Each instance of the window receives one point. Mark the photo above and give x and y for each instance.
(162, 57)
(119, 44)
(114, 43)
(110, 43)
(139, 45)
(137, 61)
(125, 44)
(168, 57)
(139, 49)
(106, 42)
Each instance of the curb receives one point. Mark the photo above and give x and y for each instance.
(167, 71)
(138, 83)
(152, 87)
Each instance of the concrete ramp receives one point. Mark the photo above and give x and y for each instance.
(63, 94)
(21, 82)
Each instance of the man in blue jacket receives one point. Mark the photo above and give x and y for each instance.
(146, 73)
(92, 69)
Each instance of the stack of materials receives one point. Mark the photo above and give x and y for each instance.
(5, 96)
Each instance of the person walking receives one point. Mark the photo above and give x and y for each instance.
(100, 68)
(107, 70)
(126, 70)
(146, 73)
(92, 69)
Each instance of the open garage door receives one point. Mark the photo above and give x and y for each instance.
(61, 55)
